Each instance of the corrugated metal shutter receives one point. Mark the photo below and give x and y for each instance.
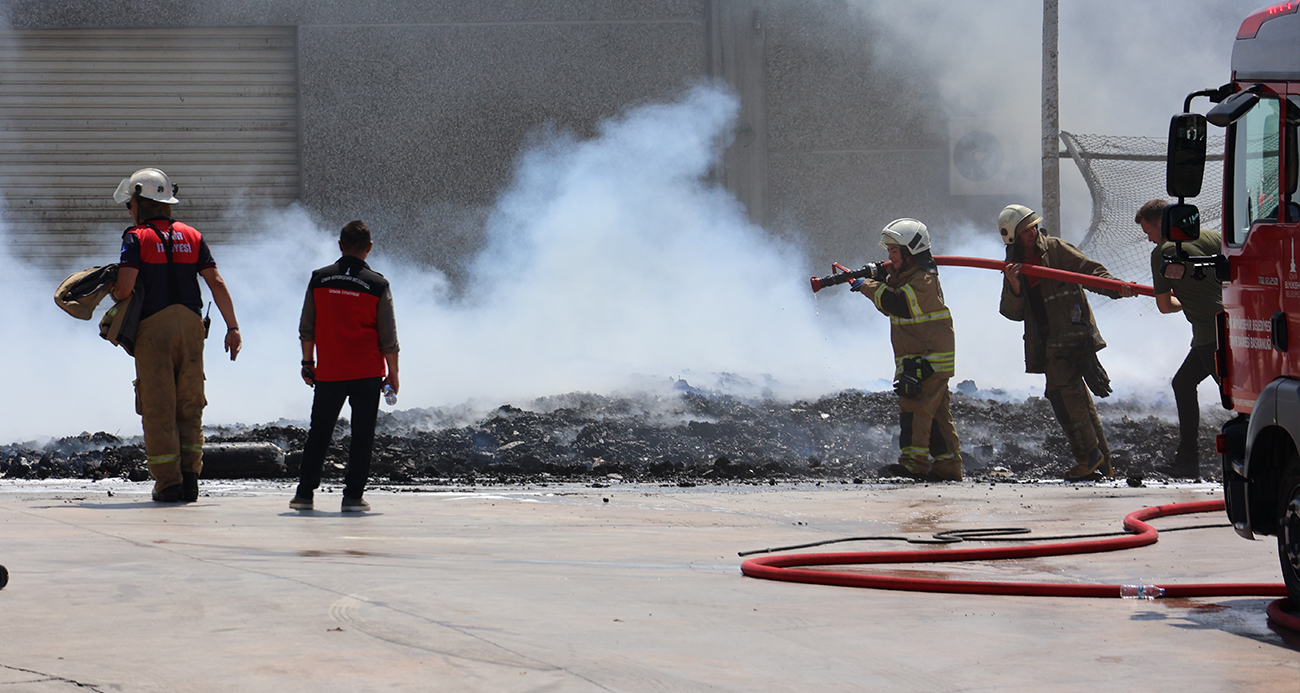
(80, 109)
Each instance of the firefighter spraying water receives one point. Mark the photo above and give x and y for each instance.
(920, 328)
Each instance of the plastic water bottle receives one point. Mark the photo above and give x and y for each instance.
(1141, 591)
(389, 396)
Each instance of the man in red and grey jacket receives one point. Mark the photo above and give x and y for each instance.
(348, 325)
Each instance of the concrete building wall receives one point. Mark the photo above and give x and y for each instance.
(421, 135)
(854, 142)
(411, 113)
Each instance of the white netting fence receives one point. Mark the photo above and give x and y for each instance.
(1122, 174)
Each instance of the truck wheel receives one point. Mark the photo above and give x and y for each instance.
(1288, 535)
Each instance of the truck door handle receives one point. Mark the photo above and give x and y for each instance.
(1278, 325)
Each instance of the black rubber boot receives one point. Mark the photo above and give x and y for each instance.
(190, 486)
(897, 470)
(171, 494)
(1180, 469)
(1090, 470)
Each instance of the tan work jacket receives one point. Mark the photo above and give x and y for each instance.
(1056, 313)
(919, 321)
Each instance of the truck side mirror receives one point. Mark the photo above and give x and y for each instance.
(1229, 110)
(1186, 161)
(1180, 222)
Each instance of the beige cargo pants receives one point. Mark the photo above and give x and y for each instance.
(1072, 402)
(169, 392)
(927, 430)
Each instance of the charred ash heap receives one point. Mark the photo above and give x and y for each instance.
(684, 438)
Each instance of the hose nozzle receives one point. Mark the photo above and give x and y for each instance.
(841, 274)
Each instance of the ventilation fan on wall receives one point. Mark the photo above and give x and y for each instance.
(990, 157)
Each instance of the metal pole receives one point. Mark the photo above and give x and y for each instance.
(1051, 122)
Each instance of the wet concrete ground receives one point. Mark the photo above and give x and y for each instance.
(626, 588)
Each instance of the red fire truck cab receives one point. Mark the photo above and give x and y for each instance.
(1259, 367)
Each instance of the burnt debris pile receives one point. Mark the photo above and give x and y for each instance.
(686, 438)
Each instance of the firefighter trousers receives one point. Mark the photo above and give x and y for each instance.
(926, 430)
(1072, 402)
(169, 392)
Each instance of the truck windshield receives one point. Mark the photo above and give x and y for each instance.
(1255, 192)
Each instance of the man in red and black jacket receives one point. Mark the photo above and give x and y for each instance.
(161, 262)
(349, 352)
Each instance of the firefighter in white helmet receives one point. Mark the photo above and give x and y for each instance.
(1061, 336)
(909, 294)
(161, 262)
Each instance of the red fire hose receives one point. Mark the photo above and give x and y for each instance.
(838, 271)
(1046, 273)
(785, 567)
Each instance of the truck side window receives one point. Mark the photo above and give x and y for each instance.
(1256, 165)
(1291, 179)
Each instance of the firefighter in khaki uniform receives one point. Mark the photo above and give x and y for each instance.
(161, 262)
(1061, 336)
(908, 292)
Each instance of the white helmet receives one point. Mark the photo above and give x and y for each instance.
(149, 183)
(908, 233)
(1013, 220)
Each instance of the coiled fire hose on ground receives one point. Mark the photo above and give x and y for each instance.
(790, 567)
(841, 274)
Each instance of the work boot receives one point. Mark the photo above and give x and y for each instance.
(897, 470)
(1180, 469)
(171, 494)
(301, 502)
(190, 486)
(1094, 469)
(355, 505)
(947, 469)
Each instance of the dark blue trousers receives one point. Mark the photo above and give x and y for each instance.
(363, 396)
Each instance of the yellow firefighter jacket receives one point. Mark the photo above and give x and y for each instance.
(1056, 313)
(919, 322)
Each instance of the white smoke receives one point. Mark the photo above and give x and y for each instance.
(1123, 67)
(615, 257)
(611, 263)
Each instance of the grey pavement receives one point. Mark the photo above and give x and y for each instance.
(625, 588)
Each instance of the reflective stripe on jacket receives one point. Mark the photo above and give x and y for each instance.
(919, 321)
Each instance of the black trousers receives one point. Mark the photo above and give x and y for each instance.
(1198, 366)
(363, 396)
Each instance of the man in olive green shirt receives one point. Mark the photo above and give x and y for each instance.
(1200, 300)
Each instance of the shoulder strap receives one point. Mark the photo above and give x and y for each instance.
(167, 247)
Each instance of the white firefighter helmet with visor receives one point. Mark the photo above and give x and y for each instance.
(1013, 219)
(149, 183)
(908, 233)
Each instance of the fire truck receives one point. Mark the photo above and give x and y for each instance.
(1259, 367)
